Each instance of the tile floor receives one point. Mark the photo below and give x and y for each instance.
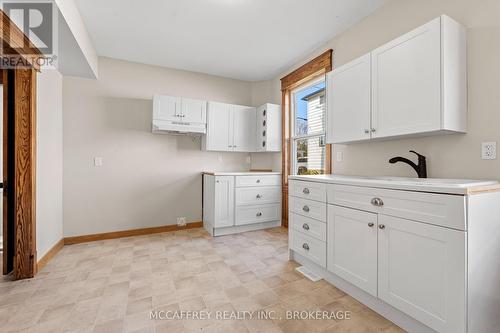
(111, 286)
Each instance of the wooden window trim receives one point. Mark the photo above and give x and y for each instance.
(318, 66)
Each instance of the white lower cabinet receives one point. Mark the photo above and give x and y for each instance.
(352, 246)
(422, 272)
(233, 203)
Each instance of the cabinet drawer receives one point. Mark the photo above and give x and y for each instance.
(263, 180)
(257, 214)
(439, 209)
(258, 195)
(307, 226)
(308, 208)
(308, 190)
(308, 246)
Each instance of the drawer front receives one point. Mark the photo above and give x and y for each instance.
(264, 180)
(307, 246)
(438, 209)
(308, 190)
(258, 195)
(308, 208)
(257, 214)
(308, 226)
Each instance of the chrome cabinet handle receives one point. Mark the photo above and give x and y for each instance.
(367, 131)
(306, 209)
(305, 246)
(258, 181)
(371, 224)
(305, 190)
(374, 130)
(259, 214)
(305, 226)
(377, 202)
(258, 196)
(381, 227)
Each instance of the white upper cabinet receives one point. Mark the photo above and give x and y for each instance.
(349, 100)
(243, 128)
(418, 87)
(193, 110)
(268, 128)
(166, 108)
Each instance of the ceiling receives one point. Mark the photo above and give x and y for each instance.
(249, 40)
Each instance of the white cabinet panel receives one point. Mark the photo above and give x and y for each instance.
(219, 127)
(244, 120)
(352, 246)
(422, 272)
(407, 83)
(268, 126)
(262, 180)
(257, 195)
(307, 226)
(308, 190)
(257, 214)
(349, 101)
(308, 208)
(307, 246)
(194, 111)
(224, 201)
(166, 108)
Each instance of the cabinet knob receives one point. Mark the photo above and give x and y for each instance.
(305, 226)
(305, 246)
(257, 181)
(371, 224)
(381, 226)
(259, 214)
(374, 130)
(258, 196)
(305, 209)
(305, 190)
(377, 202)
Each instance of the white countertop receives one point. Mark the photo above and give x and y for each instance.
(240, 173)
(436, 185)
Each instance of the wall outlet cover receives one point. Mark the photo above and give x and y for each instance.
(181, 221)
(489, 150)
(98, 161)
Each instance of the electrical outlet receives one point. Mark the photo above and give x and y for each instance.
(181, 221)
(98, 161)
(489, 150)
(220, 158)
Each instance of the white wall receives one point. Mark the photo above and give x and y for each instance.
(453, 156)
(49, 177)
(146, 179)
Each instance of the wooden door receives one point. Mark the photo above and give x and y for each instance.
(166, 108)
(193, 110)
(244, 124)
(224, 201)
(422, 272)
(352, 246)
(218, 127)
(349, 101)
(406, 83)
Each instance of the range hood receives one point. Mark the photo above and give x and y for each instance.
(178, 127)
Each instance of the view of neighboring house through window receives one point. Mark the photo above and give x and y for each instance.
(308, 103)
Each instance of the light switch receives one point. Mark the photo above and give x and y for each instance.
(97, 161)
(340, 156)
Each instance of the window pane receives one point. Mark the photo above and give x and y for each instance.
(310, 156)
(310, 109)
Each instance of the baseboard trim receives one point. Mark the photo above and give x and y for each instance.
(129, 233)
(49, 255)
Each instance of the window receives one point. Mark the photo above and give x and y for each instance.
(308, 129)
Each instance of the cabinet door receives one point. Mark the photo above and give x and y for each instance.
(406, 86)
(422, 272)
(349, 102)
(224, 201)
(352, 246)
(218, 127)
(244, 119)
(166, 108)
(194, 111)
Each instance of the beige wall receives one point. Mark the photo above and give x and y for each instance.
(49, 160)
(453, 156)
(146, 179)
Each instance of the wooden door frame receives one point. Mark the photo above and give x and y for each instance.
(19, 137)
(310, 71)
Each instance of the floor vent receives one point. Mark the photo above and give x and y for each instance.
(308, 274)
